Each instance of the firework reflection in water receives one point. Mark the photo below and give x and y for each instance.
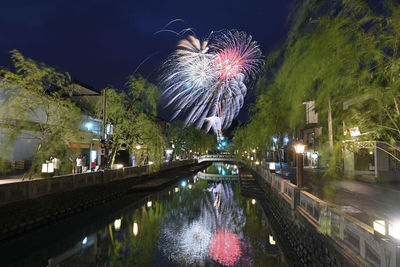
(188, 242)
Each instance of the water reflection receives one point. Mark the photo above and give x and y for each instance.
(222, 168)
(196, 222)
(220, 171)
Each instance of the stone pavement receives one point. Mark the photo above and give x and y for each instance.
(15, 177)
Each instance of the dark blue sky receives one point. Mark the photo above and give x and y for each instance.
(101, 42)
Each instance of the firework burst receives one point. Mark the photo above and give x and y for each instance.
(206, 80)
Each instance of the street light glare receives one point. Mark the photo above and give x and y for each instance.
(89, 126)
(117, 224)
(379, 226)
(135, 229)
(299, 148)
(394, 229)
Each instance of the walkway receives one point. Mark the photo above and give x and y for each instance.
(362, 200)
(16, 177)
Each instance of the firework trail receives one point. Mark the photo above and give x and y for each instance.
(206, 80)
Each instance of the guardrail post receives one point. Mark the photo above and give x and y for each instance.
(362, 246)
(296, 198)
(341, 227)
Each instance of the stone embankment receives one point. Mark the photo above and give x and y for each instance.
(35, 210)
(314, 233)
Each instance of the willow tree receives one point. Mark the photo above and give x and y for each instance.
(32, 107)
(199, 141)
(269, 122)
(131, 116)
(189, 138)
(380, 83)
(351, 56)
(326, 59)
(143, 93)
(323, 61)
(349, 51)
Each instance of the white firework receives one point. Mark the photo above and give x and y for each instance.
(205, 81)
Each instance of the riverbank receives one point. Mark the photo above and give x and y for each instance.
(24, 216)
(310, 224)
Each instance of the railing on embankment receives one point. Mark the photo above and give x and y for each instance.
(349, 233)
(18, 191)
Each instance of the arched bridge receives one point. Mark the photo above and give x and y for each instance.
(217, 157)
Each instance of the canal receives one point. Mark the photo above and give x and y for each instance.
(202, 220)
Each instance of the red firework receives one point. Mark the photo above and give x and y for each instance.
(228, 63)
(225, 248)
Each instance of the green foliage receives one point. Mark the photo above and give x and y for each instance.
(338, 51)
(144, 92)
(32, 107)
(132, 126)
(189, 138)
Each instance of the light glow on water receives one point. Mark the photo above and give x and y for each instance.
(210, 224)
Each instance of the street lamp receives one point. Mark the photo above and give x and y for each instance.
(299, 148)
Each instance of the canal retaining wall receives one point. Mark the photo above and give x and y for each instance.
(30, 213)
(31, 189)
(319, 234)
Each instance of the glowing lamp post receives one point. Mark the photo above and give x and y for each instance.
(299, 148)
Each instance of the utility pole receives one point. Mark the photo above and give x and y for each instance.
(330, 125)
(103, 124)
(104, 151)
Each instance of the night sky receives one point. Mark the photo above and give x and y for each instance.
(101, 42)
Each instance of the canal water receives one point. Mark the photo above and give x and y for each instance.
(196, 222)
(223, 169)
